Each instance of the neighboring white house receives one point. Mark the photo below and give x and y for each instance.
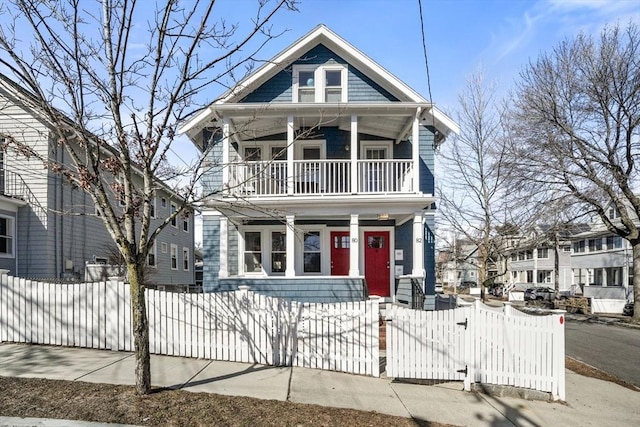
(320, 174)
(48, 228)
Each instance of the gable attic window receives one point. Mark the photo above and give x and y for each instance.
(320, 83)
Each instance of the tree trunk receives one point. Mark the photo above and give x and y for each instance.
(140, 329)
(636, 282)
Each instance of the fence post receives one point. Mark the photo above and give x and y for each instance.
(508, 308)
(112, 315)
(558, 354)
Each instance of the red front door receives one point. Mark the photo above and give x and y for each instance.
(376, 262)
(340, 243)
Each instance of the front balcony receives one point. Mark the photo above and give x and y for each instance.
(320, 177)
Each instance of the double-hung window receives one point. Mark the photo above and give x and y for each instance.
(6, 237)
(174, 256)
(151, 258)
(252, 252)
(265, 251)
(185, 259)
(320, 83)
(312, 252)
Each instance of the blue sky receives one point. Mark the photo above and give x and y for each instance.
(461, 35)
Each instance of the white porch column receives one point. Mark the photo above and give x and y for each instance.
(354, 247)
(354, 155)
(418, 245)
(291, 242)
(225, 153)
(415, 150)
(224, 247)
(290, 142)
(534, 253)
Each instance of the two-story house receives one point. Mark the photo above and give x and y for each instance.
(601, 258)
(50, 229)
(319, 172)
(533, 259)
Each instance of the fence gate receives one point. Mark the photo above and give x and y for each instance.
(429, 344)
(478, 343)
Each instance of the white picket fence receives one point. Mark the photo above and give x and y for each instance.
(478, 344)
(236, 326)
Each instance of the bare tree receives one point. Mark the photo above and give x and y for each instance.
(114, 79)
(472, 195)
(575, 129)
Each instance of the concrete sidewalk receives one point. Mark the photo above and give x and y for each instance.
(590, 402)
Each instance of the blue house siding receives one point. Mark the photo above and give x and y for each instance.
(360, 87)
(363, 89)
(313, 290)
(404, 241)
(276, 89)
(210, 253)
(212, 177)
(426, 184)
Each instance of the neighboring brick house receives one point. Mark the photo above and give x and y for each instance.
(320, 173)
(48, 228)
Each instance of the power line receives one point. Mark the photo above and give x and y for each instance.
(426, 64)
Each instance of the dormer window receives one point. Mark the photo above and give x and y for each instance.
(319, 83)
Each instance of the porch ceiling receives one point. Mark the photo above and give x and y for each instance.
(386, 120)
(397, 207)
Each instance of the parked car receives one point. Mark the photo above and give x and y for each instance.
(539, 294)
(497, 289)
(628, 309)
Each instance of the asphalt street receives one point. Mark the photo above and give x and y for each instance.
(613, 349)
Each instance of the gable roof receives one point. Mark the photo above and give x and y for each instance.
(321, 35)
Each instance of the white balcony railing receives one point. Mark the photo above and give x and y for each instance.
(326, 177)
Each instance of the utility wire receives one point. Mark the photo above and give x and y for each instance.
(426, 64)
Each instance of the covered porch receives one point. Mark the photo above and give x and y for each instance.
(329, 149)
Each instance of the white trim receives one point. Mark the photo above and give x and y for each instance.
(300, 145)
(265, 249)
(172, 208)
(153, 252)
(185, 250)
(319, 85)
(11, 226)
(223, 247)
(368, 144)
(354, 253)
(325, 254)
(171, 252)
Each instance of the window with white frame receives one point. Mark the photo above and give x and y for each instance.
(265, 250)
(185, 259)
(543, 253)
(614, 242)
(163, 247)
(320, 83)
(151, 258)
(6, 237)
(595, 245)
(278, 251)
(312, 252)
(174, 257)
(152, 205)
(174, 222)
(252, 252)
(185, 224)
(163, 202)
